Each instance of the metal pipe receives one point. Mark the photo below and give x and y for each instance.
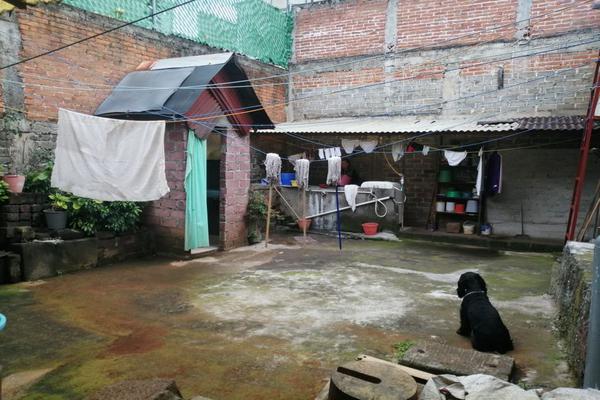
(348, 207)
(591, 377)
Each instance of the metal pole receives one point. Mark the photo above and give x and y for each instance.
(592, 360)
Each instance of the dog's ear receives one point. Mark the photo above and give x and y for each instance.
(482, 283)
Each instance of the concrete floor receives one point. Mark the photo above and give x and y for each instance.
(256, 324)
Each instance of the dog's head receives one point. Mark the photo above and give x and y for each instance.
(470, 282)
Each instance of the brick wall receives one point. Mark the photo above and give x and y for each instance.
(573, 19)
(235, 184)
(80, 77)
(342, 29)
(166, 217)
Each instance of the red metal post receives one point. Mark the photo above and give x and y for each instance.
(583, 156)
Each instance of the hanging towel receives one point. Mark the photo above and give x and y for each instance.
(109, 159)
(328, 154)
(350, 191)
(301, 168)
(295, 157)
(196, 209)
(494, 174)
(368, 145)
(349, 145)
(337, 152)
(397, 151)
(321, 154)
(479, 173)
(273, 167)
(425, 150)
(454, 157)
(334, 170)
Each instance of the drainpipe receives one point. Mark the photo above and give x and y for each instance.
(591, 377)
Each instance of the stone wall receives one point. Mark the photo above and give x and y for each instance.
(570, 287)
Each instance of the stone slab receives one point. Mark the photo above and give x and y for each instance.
(440, 358)
(43, 259)
(151, 389)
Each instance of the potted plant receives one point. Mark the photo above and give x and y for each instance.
(56, 217)
(15, 182)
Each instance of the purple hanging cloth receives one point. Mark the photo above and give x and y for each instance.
(494, 174)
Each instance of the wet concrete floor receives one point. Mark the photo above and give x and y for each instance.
(256, 324)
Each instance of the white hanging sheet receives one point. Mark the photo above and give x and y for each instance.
(109, 159)
(454, 157)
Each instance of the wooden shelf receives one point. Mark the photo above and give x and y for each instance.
(439, 197)
(469, 215)
(457, 183)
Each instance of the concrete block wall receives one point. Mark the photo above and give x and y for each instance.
(23, 209)
(542, 179)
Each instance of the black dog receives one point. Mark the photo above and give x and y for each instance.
(478, 317)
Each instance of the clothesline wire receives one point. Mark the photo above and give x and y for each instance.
(396, 54)
(230, 85)
(555, 73)
(85, 39)
(253, 109)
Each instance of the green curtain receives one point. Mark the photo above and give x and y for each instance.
(196, 214)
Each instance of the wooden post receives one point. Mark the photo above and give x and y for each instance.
(304, 212)
(269, 203)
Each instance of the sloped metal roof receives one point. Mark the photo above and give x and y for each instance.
(10, 5)
(390, 125)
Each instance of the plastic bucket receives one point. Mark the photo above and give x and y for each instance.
(450, 206)
(472, 207)
(304, 221)
(287, 178)
(468, 228)
(56, 220)
(486, 229)
(459, 208)
(440, 206)
(370, 228)
(15, 183)
(453, 194)
(2, 321)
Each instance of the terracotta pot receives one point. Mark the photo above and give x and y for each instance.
(370, 228)
(302, 222)
(15, 183)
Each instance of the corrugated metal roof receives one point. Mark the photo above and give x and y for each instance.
(389, 125)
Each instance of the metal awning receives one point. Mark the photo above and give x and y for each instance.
(398, 125)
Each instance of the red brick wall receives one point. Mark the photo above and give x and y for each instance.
(102, 61)
(345, 29)
(574, 18)
(429, 22)
(166, 217)
(337, 79)
(235, 184)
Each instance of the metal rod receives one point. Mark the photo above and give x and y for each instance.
(339, 225)
(591, 378)
(348, 207)
(304, 212)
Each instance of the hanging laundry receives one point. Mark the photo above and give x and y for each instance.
(425, 150)
(494, 174)
(328, 154)
(349, 145)
(454, 157)
(295, 157)
(337, 152)
(301, 168)
(350, 191)
(479, 173)
(410, 148)
(368, 145)
(334, 170)
(321, 154)
(109, 159)
(397, 151)
(273, 167)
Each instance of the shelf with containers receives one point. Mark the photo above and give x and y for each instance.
(456, 199)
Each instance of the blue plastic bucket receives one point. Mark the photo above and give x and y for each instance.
(2, 321)
(287, 178)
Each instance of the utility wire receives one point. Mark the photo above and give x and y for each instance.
(95, 35)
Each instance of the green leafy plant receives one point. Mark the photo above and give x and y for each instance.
(4, 193)
(91, 216)
(402, 347)
(61, 201)
(38, 181)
